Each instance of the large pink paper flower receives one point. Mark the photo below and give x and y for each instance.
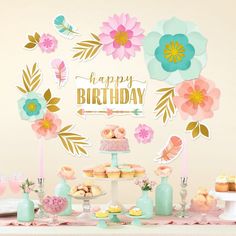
(197, 98)
(48, 127)
(143, 133)
(121, 36)
(47, 43)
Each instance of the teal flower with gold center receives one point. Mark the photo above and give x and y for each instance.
(32, 106)
(175, 51)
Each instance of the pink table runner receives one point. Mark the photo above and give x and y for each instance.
(194, 218)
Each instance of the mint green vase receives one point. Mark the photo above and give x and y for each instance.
(25, 209)
(164, 198)
(62, 190)
(146, 205)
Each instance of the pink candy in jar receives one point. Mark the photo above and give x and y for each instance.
(54, 205)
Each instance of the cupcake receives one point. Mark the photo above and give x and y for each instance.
(135, 211)
(88, 172)
(114, 209)
(222, 184)
(232, 183)
(101, 214)
(99, 172)
(139, 171)
(113, 172)
(127, 173)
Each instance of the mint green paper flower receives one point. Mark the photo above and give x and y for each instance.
(32, 106)
(175, 51)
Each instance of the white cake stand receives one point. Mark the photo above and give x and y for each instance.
(230, 204)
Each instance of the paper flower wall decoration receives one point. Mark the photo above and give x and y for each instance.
(121, 36)
(32, 106)
(46, 42)
(143, 133)
(60, 71)
(171, 150)
(64, 28)
(40, 109)
(175, 51)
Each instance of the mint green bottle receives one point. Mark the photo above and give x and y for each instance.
(25, 209)
(62, 190)
(146, 205)
(164, 198)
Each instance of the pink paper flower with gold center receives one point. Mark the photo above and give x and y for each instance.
(48, 127)
(197, 98)
(143, 133)
(47, 43)
(121, 36)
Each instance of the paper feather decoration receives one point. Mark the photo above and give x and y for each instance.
(64, 28)
(171, 150)
(60, 71)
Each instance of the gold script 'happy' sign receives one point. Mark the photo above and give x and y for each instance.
(110, 95)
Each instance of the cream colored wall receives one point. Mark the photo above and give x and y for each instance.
(18, 150)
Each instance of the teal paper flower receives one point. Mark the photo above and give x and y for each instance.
(175, 51)
(32, 106)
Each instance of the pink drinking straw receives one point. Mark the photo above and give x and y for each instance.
(184, 159)
(41, 158)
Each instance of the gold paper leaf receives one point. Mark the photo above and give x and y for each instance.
(65, 128)
(54, 101)
(87, 49)
(31, 78)
(204, 130)
(191, 125)
(165, 104)
(71, 141)
(21, 89)
(164, 89)
(32, 39)
(53, 108)
(34, 68)
(95, 37)
(30, 45)
(35, 84)
(47, 95)
(37, 37)
(195, 131)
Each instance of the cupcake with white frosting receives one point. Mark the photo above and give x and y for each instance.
(222, 184)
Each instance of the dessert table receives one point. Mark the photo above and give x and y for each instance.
(166, 226)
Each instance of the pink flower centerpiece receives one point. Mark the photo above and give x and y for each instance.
(54, 205)
(121, 36)
(197, 98)
(143, 133)
(47, 43)
(163, 171)
(48, 127)
(145, 184)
